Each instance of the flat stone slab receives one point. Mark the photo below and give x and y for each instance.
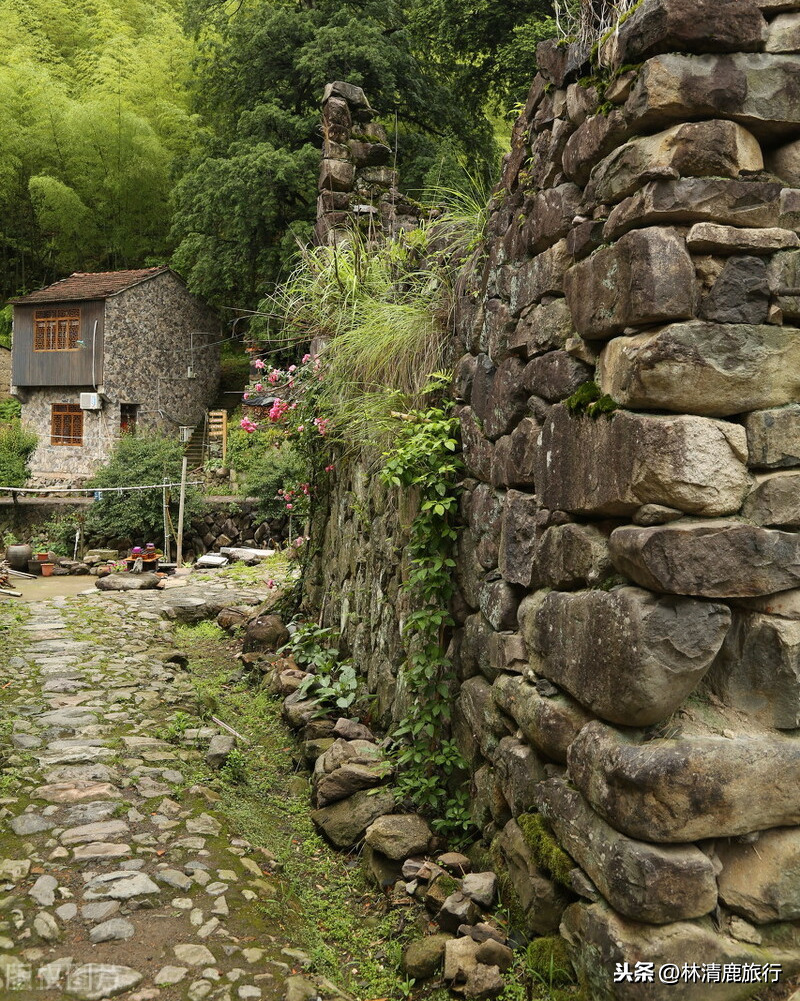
(94, 832)
(120, 886)
(73, 792)
(761, 881)
(31, 823)
(709, 559)
(95, 981)
(653, 883)
(710, 369)
(614, 465)
(98, 851)
(688, 788)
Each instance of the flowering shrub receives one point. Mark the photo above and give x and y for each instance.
(293, 421)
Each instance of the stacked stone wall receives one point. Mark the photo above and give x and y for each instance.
(357, 180)
(629, 566)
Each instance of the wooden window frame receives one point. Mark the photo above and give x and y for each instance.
(56, 329)
(66, 424)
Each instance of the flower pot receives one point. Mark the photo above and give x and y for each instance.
(47, 569)
(43, 557)
(18, 556)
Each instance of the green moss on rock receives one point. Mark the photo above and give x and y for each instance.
(547, 852)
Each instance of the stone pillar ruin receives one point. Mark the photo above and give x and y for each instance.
(630, 567)
(357, 182)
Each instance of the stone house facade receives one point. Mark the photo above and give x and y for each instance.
(97, 354)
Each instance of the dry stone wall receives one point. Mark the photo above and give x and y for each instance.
(628, 571)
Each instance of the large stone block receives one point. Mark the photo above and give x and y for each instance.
(758, 669)
(519, 536)
(785, 163)
(591, 141)
(740, 294)
(478, 451)
(477, 721)
(784, 280)
(761, 880)
(542, 901)
(755, 204)
(688, 788)
(532, 281)
(518, 460)
(646, 277)
(556, 375)
(507, 400)
(484, 517)
(614, 465)
(684, 26)
(571, 556)
(499, 601)
(704, 368)
(628, 656)
(694, 149)
(651, 883)
(783, 34)
(756, 90)
(549, 722)
(710, 559)
(550, 216)
(773, 437)
(774, 500)
(542, 328)
(518, 770)
(599, 940)
(710, 238)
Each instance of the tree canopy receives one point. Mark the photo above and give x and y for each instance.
(137, 132)
(94, 108)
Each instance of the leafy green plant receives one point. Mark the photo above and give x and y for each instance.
(17, 445)
(431, 769)
(234, 769)
(334, 689)
(313, 647)
(138, 514)
(177, 726)
(589, 400)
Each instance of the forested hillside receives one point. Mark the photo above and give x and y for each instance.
(137, 133)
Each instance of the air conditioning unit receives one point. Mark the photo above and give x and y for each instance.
(91, 401)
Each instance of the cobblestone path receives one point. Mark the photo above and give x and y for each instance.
(116, 876)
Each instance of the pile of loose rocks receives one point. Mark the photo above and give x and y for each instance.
(354, 807)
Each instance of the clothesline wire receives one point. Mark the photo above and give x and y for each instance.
(92, 490)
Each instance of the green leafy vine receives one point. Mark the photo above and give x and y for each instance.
(430, 768)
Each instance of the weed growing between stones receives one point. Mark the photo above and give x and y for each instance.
(590, 401)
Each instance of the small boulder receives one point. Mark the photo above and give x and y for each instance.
(399, 835)
(459, 958)
(219, 747)
(351, 729)
(458, 909)
(455, 862)
(424, 957)
(265, 632)
(230, 618)
(494, 953)
(480, 887)
(484, 982)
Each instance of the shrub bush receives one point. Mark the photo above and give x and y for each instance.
(17, 445)
(139, 459)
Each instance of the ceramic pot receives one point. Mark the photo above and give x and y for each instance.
(18, 556)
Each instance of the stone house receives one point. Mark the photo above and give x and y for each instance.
(95, 355)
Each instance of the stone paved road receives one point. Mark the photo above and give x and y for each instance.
(116, 877)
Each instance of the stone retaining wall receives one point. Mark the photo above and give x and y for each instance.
(629, 578)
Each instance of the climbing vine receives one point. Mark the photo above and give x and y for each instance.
(430, 767)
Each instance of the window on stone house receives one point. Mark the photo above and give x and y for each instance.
(127, 417)
(56, 329)
(66, 424)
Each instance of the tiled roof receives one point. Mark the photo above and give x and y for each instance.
(89, 285)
